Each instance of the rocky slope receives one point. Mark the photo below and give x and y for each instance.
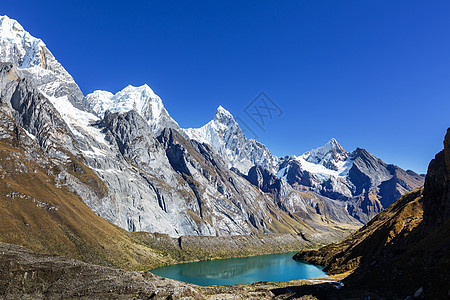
(41, 210)
(28, 275)
(405, 249)
(172, 185)
(144, 191)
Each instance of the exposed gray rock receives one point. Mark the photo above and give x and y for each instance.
(329, 171)
(264, 179)
(28, 275)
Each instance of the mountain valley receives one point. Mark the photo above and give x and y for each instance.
(111, 182)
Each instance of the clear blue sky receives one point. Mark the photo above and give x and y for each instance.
(372, 74)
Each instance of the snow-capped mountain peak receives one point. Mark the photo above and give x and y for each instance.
(142, 99)
(18, 46)
(36, 63)
(223, 114)
(328, 155)
(224, 123)
(217, 131)
(330, 160)
(131, 97)
(10, 29)
(226, 137)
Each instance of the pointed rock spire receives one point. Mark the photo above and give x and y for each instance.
(328, 155)
(223, 114)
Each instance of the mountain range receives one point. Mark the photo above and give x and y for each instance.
(133, 165)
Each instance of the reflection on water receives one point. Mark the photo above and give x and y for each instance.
(230, 268)
(274, 267)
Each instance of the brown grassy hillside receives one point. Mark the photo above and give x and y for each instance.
(396, 222)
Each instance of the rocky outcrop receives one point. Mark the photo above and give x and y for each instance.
(34, 112)
(27, 275)
(265, 180)
(437, 189)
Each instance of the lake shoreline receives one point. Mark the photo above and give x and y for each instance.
(279, 267)
(186, 249)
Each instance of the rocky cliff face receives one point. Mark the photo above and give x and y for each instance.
(437, 189)
(305, 204)
(161, 184)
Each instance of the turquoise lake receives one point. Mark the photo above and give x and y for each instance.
(244, 270)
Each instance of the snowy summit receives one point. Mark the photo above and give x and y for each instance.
(142, 99)
(18, 46)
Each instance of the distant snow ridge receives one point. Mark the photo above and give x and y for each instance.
(330, 160)
(328, 155)
(142, 99)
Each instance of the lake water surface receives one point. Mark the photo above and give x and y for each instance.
(244, 270)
